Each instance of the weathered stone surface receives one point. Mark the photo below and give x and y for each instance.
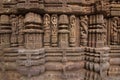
(59, 39)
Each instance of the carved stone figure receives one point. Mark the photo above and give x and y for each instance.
(54, 29)
(47, 30)
(84, 30)
(14, 24)
(72, 30)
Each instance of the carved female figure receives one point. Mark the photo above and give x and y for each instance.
(54, 24)
(47, 30)
(72, 26)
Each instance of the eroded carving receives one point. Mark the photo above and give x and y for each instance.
(14, 23)
(84, 30)
(114, 30)
(54, 29)
(72, 30)
(59, 39)
(47, 30)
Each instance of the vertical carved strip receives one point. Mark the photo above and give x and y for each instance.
(20, 31)
(105, 32)
(5, 33)
(84, 30)
(54, 30)
(73, 31)
(47, 30)
(114, 31)
(119, 31)
(14, 24)
(108, 31)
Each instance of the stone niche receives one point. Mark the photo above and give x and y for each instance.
(59, 39)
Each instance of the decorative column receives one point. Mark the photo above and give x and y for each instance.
(115, 48)
(5, 34)
(63, 31)
(5, 31)
(33, 31)
(97, 55)
(95, 31)
(47, 30)
(31, 58)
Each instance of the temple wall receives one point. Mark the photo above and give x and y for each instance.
(59, 39)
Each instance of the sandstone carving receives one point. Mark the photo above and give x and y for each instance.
(59, 40)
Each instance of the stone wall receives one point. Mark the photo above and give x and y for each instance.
(59, 39)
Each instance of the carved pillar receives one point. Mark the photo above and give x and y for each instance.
(73, 27)
(84, 30)
(54, 30)
(33, 31)
(114, 57)
(96, 31)
(5, 31)
(33, 53)
(63, 31)
(47, 30)
(5, 34)
(97, 56)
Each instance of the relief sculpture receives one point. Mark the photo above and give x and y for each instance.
(47, 30)
(84, 30)
(59, 40)
(54, 29)
(72, 30)
(114, 31)
(14, 23)
(20, 31)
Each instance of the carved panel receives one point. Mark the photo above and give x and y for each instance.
(47, 30)
(54, 30)
(73, 27)
(59, 39)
